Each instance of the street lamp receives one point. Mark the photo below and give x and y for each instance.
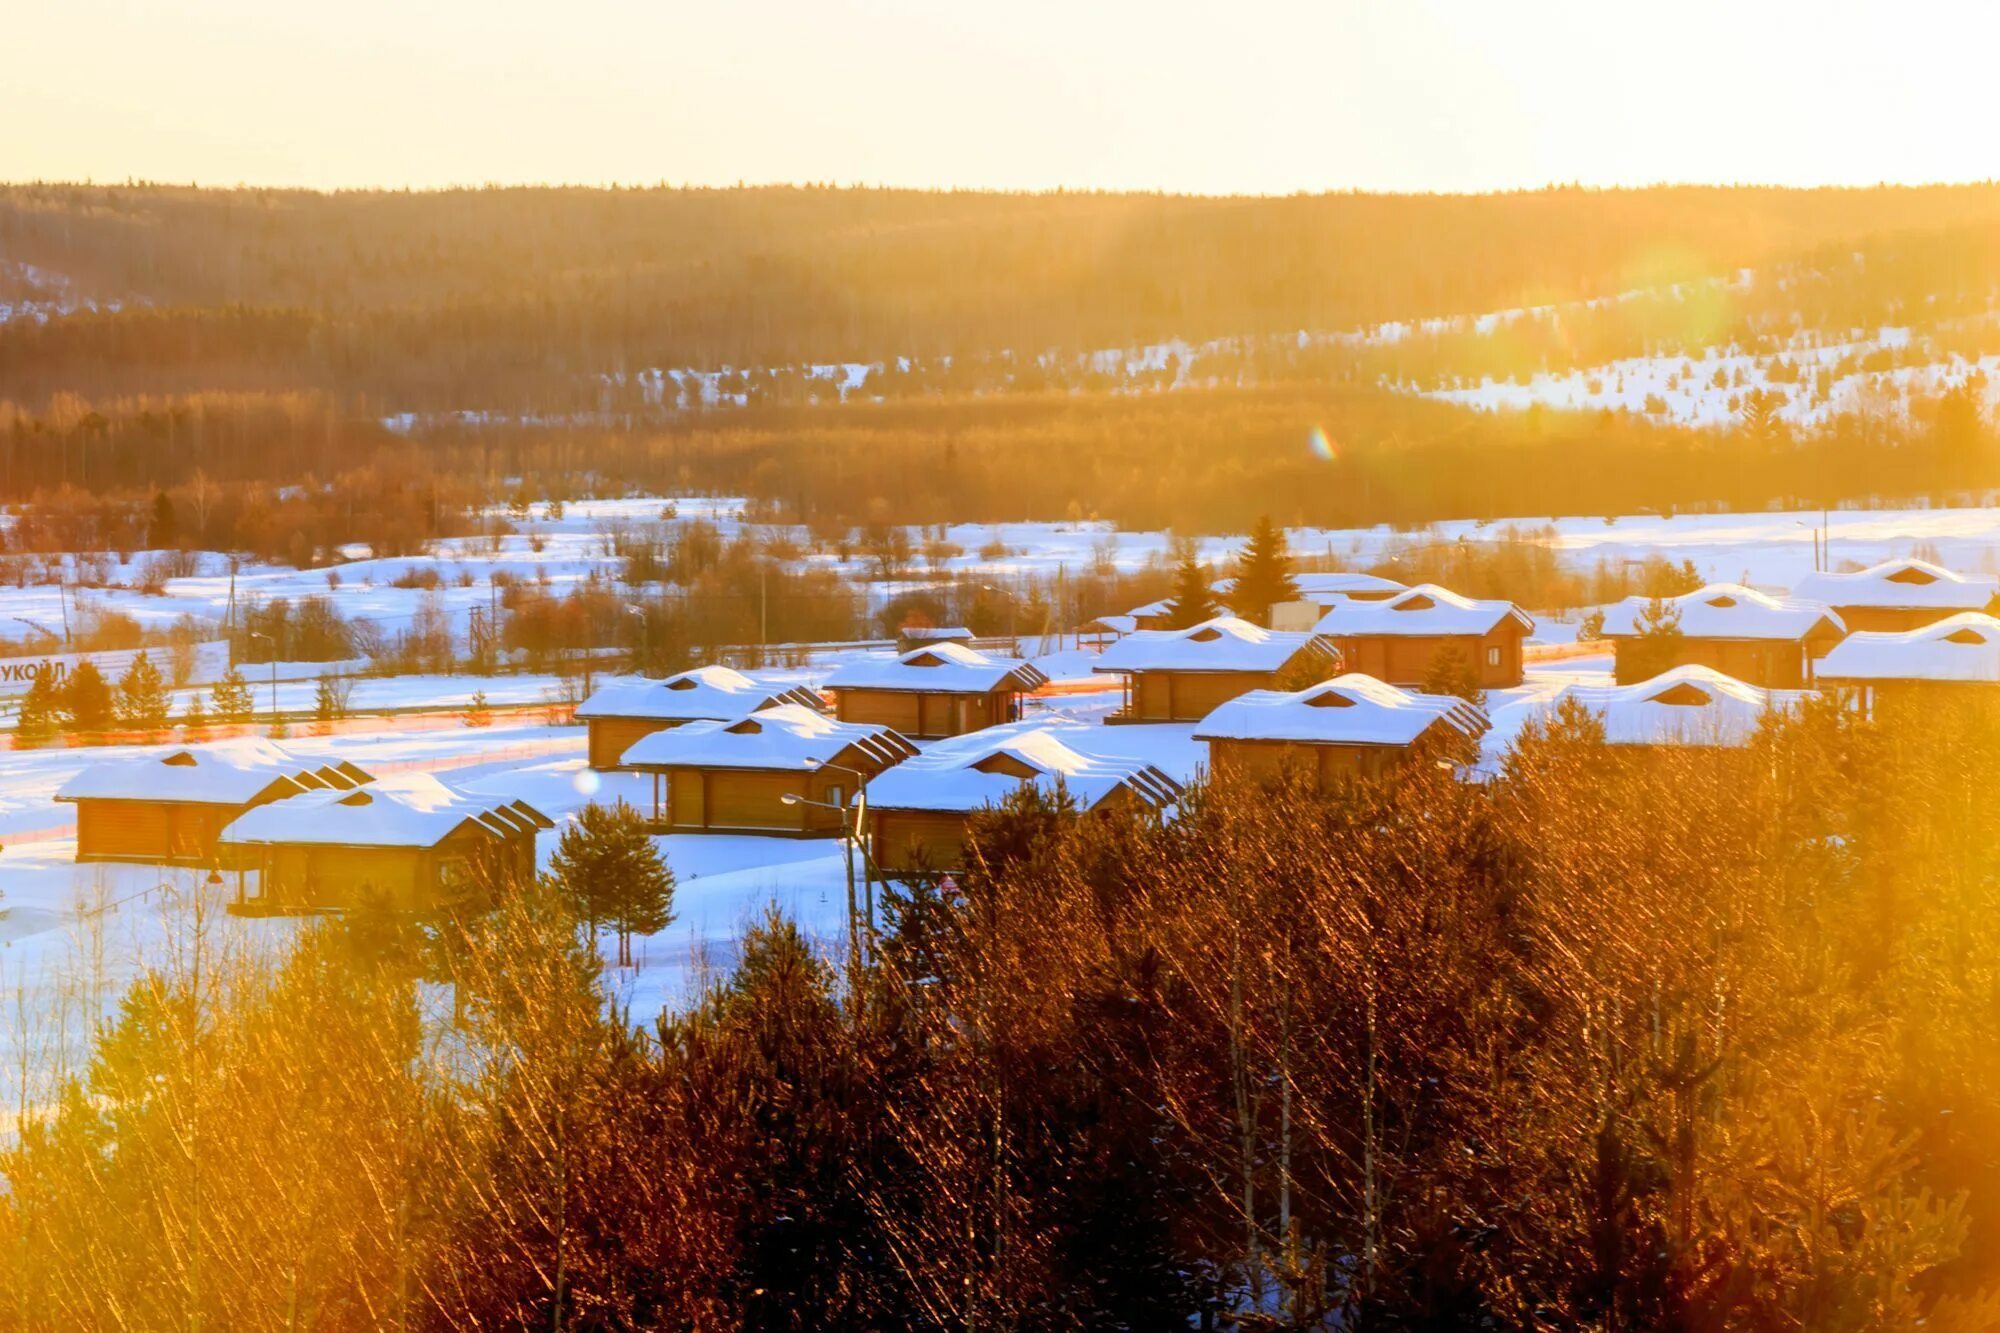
(853, 920)
(853, 819)
(274, 671)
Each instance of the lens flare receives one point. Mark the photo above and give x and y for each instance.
(1321, 444)
(586, 782)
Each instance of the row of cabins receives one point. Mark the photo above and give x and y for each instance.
(729, 754)
(316, 835)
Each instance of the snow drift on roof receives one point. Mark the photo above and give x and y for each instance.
(1729, 611)
(1424, 611)
(1689, 705)
(787, 737)
(980, 769)
(408, 810)
(1964, 647)
(226, 773)
(937, 668)
(1902, 585)
(1348, 710)
(1222, 644)
(703, 692)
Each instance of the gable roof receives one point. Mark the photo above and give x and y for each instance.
(1902, 585)
(1964, 647)
(226, 773)
(788, 738)
(980, 769)
(1425, 610)
(1729, 611)
(1331, 585)
(1222, 644)
(1352, 709)
(1688, 705)
(938, 668)
(704, 691)
(408, 810)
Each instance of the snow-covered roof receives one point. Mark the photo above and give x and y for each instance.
(1163, 607)
(1423, 611)
(227, 773)
(937, 668)
(1900, 585)
(1222, 644)
(407, 810)
(1332, 584)
(1964, 647)
(703, 692)
(788, 737)
(1729, 611)
(980, 769)
(1115, 624)
(1688, 705)
(1348, 710)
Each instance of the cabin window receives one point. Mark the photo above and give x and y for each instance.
(1493, 657)
(454, 872)
(836, 795)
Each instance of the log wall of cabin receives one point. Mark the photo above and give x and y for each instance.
(748, 800)
(909, 840)
(1772, 663)
(1405, 659)
(151, 832)
(1328, 764)
(1189, 696)
(922, 712)
(611, 737)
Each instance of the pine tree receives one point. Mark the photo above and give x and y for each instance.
(142, 703)
(610, 871)
(1656, 646)
(86, 699)
(41, 715)
(194, 722)
(1192, 601)
(327, 703)
(1452, 672)
(1263, 574)
(477, 712)
(162, 529)
(232, 698)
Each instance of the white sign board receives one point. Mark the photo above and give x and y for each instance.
(17, 674)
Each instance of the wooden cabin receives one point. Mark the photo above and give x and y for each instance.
(168, 809)
(940, 689)
(785, 770)
(410, 843)
(628, 707)
(1900, 594)
(1328, 589)
(1399, 638)
(1351, 727)
(1762, 640)
(1686, 707)
(1182, 675)
(918, 810)
(1954, 658)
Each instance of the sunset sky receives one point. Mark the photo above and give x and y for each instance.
(1252, 96)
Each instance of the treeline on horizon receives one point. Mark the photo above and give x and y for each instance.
(287, 477)
(519, 299)
(1694, 1038)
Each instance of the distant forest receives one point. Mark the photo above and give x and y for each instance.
(258, 336)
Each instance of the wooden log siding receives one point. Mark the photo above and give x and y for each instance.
(1779, 664)
(611, 737)
(748, 800)
(1189, 696)
(176, 833)
(1406, 660)
(1330, 765)
(925, 713)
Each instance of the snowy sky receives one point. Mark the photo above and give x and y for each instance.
(1250, 96)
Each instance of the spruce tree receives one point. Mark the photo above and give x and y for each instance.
(194, 722)
(41, 715)
(326, 700)
(232, 697)
(1452, 671)
(1263, 574)
(86, 699)
(1657, 644)
(162, 529)
(1192, 601)
(142, 703)
(610, 871)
